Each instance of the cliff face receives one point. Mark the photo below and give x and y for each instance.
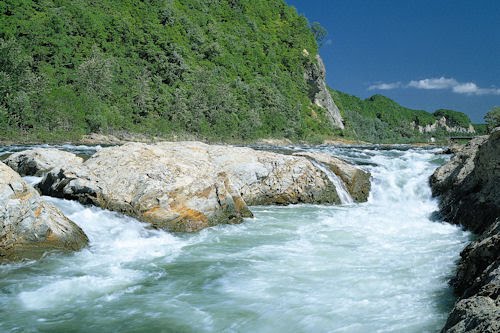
(469, 190)
(442, 123)
(315, 76)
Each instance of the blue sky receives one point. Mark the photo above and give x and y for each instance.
(425, 54)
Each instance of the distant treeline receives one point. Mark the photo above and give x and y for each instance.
(380, 119)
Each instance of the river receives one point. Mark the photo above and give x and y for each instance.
(380, 266)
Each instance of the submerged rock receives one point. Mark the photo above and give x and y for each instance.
(29, 226)
(39, 161)
(187, 186)
(468, 186)
(357, 181)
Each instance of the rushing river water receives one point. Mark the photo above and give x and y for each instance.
(380, 266)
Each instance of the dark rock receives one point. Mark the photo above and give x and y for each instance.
(469, 190)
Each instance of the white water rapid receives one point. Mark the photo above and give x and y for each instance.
(344, 196)
(381, 266)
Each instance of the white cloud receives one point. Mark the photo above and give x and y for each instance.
(385, 86)
(440, 83)
(434, 83)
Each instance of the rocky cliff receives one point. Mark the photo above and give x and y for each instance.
(315, 76)
(469, 190)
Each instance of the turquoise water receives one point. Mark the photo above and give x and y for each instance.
(380, 266)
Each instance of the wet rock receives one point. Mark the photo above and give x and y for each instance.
(469, 191)
(468, 184)
(38, 161)
(474, 315)
(29, 226)
(357, 181)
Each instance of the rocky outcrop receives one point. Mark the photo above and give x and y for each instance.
(29, 226)
(187, 186)
(39, 161)
(468, 186)
(172, 187)
(442, 123)
(357, 181)
(315, 76)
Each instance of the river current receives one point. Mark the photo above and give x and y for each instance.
(380, 266)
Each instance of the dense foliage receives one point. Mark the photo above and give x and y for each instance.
(212, 69)
(380, 119)
(492, 118)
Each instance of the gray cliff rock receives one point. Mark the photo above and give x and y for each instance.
(29, 226)
(187, 186)
(357, 181)
(315, 76)
(469, 191)
(38, 161)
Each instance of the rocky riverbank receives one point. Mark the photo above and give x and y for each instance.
(469, 190)
(188, 186)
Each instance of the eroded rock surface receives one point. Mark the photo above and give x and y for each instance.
(39, 161)
(174, 187)
(469, 190)
(29, 226)
(315, 76)
(357, 181)
(187, 186)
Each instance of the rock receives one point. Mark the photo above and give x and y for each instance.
(357, 181)
(38, 161)
(29, 226)
(470, 196)
(266, 178)
(187, 186)
(468, 184)
(315, 76)
(474, 315)
(476, 258)
(174, 187)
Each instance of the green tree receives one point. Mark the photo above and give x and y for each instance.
(492, 118)
(319, 32)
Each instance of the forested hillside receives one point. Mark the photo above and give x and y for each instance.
(208, 69)
(379, 119)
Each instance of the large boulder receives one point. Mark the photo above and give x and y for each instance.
(357, 181)
(187, 186)
(29, 226)
(39, 161)
(174, 187)
(267, 178)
